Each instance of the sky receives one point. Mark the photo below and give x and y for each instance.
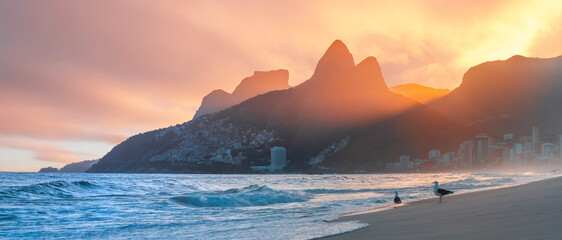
(79, 77)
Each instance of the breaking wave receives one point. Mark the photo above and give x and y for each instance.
(59, 189)
(474, 183)
(253, 195)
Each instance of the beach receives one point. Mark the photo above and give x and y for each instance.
(528, 211)
(215, 206)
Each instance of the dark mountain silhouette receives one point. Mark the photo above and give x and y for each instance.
(344, 119)
(338, 94)
(78, 167)
(49, 170)
(508, 96)
(259, 83)
(345, 100)
(420, 93)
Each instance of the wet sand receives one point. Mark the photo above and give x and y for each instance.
(529, 211)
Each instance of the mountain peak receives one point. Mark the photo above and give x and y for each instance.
(262, 82)
(370, 62)
(369, 74)
(217, 92)
(259, 83)
(516, 58)
(338, 46)
(337, 60)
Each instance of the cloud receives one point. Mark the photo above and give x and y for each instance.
(79, 105)
(104, 70)
(41, 151)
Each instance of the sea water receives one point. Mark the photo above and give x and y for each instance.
(170, 206)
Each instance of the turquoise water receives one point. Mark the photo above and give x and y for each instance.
(124, 206)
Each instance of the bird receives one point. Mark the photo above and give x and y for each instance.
(440, 191)
(397, 199)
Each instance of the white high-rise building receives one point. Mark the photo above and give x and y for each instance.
(467, 153)
(405, 161)
(535, 138)
(513, 156)
(506, 156)
(560, 148)
(518, 150)
(434, 155)
(548, 150)
(278, 158)
(446, 158)
(482, 149)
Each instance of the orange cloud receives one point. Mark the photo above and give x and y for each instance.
(44, 152)
(104, 70)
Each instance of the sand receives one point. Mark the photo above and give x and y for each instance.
(529, 211)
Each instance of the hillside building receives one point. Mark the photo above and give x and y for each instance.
(482, 149)
(535, 138)
(278, 158)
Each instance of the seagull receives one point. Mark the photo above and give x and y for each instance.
(396, 199)
(440, 191)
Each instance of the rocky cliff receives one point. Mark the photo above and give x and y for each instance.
(259, 83)
(343, 119)
(508, 96)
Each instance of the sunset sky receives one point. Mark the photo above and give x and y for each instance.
(78, 77)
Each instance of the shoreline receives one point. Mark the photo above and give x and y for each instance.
(500, 213)
(422, 200)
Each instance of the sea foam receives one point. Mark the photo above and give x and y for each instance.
(253, 195)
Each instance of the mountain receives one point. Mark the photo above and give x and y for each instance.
(259, 83)
(338, 94)
(508, 96)
(420, 93)
(78, 167)
(49, 170)
(343, 119)
(346, 101)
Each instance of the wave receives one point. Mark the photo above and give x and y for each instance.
(7, 217)
(473, 183)
(361, 190)
(60, 189)
(340, 191)
(253, 195)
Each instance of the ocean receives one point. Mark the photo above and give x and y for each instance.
(176, 206)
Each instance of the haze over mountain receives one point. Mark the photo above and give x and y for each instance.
(76, 167)
(508, 96)
(344, 118)
(259, 83)
(99, 81)
(420, 93)
(49, 170)
(338, 94)
(345, 100)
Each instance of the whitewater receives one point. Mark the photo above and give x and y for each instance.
(156, 206)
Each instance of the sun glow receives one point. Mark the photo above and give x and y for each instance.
(145, 66)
